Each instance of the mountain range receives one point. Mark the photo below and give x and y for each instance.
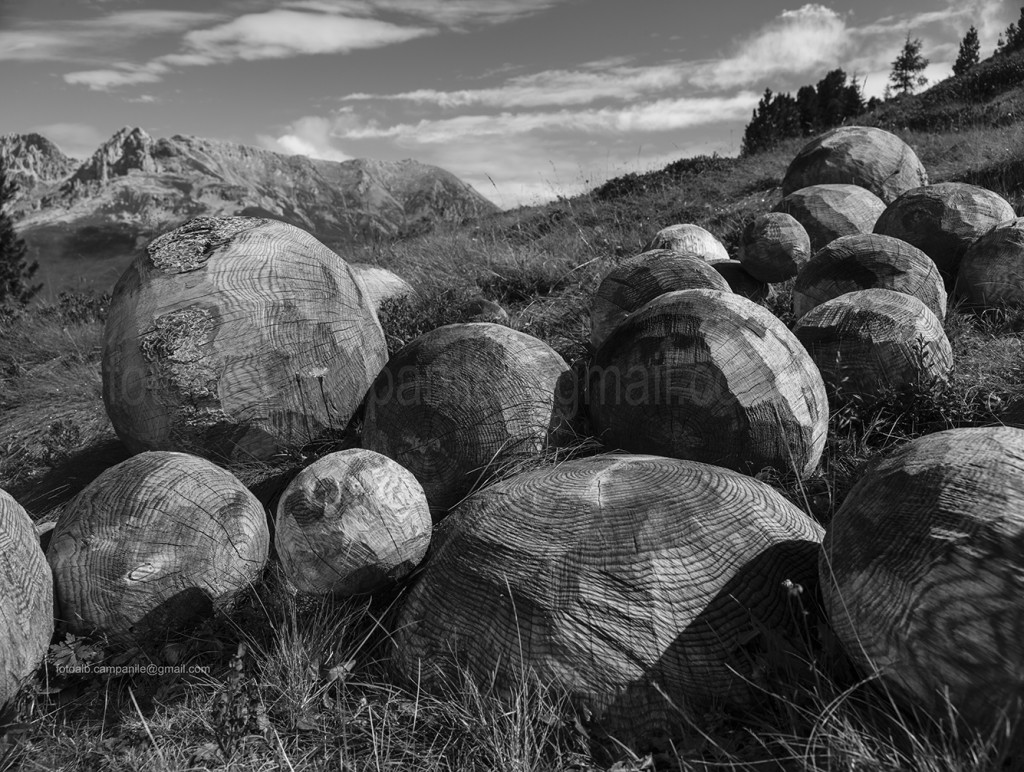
(84, 221)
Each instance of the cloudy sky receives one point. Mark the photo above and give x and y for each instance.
(524, 99)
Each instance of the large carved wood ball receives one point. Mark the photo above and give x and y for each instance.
(943, 220)
(154, 544)
(352, 522)
(689, 238)
(26, 599)
(627, 581)
(637, 280)
(921, 573)
(774, 247)
(991, 273)
(709, 376)
(236, 338)
(869, 261)
(453, 402)
(741, 282)
(830, 211)
(382, 284)
(857, 155)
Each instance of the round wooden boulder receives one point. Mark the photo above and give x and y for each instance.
(236, 338)
(691, 239)
(774, 247)
(353, 522)
(631, 582)
(741, 282)
(484, 310)
(872, 341)
(709, 376)
(868, 261)
(381, 284)
(457, 399)
(921, 573)
(830, 211)
(26, 599)
(857, 155)
(991, 273)
(635, 281)
(943, 220)
(153, 545)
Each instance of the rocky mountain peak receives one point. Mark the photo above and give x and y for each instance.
(129, 149)
(31, 159)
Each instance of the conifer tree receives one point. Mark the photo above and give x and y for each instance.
(15, 272)
(908, 67)
(970, 52)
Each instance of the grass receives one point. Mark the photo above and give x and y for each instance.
(293, 683)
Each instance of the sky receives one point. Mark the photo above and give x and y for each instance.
(526, 100)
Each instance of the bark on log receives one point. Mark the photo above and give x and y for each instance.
(618, 578)
(709, 376)
(921, 573)
(689, 238)
(857, 155)
(868, 261)
(774, 247)
(235, 338)
(991, 274)
(154, 544)
(830, 211)
(26, 599)
(351, 523)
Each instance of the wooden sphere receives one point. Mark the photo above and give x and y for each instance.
(635, 281)
(921, 572)
(456, 399)
(741, 282)
(483, 310)
(352, 522)
(991, 273)
(774, 247)
(691, 239)
(709, 376)
(871, 341)
(236, 338)
(943, 220)
(154, 544)
(857, 155)
(867, 261)
(381, 284)
(830, 211)
(26, 599)
(627, 581)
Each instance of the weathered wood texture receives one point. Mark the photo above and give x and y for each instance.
(868, 342)
(741, 282)
(991, 273)
(26, 598)
(237, 337)
(381, 284)
(352, 522)
(639, 279)
(457, 399)
(774, 247)
(869, 261)
(154, 544)
(921, 572)
(857, 155)
(689, 238)
(605, 576)
(709, 376)
(943, 220)
(830, 211)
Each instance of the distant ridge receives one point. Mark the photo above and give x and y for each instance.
(84, 221)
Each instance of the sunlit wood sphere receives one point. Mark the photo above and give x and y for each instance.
(991, 273)
(350, 523)
(459, 398)
(857, 155)
(689, 238)
(639, 279)
(921, 573)
(236, 338)
(155, 544)
(774, 247)
(871, 341)
(943, 220)
(867, 261)
(830, 211)
(709, 376)
(741, 282)
(628, 582)
(26, 599)
(382, 284)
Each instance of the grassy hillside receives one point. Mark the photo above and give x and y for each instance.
(300, 685)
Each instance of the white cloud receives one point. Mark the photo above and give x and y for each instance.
(446, 13)
(125, 75)
(309, 136)
(78, 140)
